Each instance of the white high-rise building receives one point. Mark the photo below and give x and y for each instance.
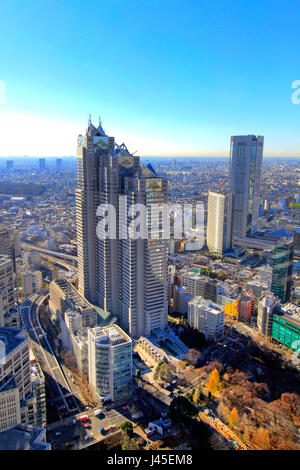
(110, 362)
(219, 221)
(122, 275)
(246, 153)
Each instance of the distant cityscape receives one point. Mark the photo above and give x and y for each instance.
(147, 343)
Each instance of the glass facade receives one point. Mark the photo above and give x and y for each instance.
(282, 270)
(286, 331)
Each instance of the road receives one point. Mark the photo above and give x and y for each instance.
(57, 254)
(224, 430)
(65, 402)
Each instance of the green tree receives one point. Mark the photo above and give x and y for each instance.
(128, 443)
(182, 409)
(127, 428)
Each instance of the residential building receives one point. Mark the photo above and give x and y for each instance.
(219, 222)
(206, 317)
(32, 260)
(246, 306)
(32, 282)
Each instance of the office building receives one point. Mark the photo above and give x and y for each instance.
(58, 163)
(17, 402)
(9, 164)
(8, 307)
(282, 269)
(32, 260)
(9, 244)
(23, 437)
(39, 392)
(120, 274)
(206, 317)
(246, 153)
(267, 306)
(42, 164)
(110, 363)
(286, 330)
(297, 239)
(64, 296)
(219, 222)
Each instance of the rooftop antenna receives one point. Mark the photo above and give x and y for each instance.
(100, 123)
(90, 120)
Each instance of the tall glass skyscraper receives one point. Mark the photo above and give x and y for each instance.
(122, 274)
(246, 154)
(282, 269)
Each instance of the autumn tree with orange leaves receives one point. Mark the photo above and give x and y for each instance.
(214, 381)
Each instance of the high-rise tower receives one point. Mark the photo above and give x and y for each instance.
(282, 269)
(219, 221)
(246, 154)
(123, 274)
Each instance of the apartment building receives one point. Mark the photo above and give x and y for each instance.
(206, 317)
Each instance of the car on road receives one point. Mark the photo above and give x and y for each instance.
(58, 433)
(88, 436)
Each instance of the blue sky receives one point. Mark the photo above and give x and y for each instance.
(168, 77)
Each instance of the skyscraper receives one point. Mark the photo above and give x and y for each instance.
(246, 154)
(59, 164)
(282, 269)
(42, 164)
(219, 221)
(124, 275)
